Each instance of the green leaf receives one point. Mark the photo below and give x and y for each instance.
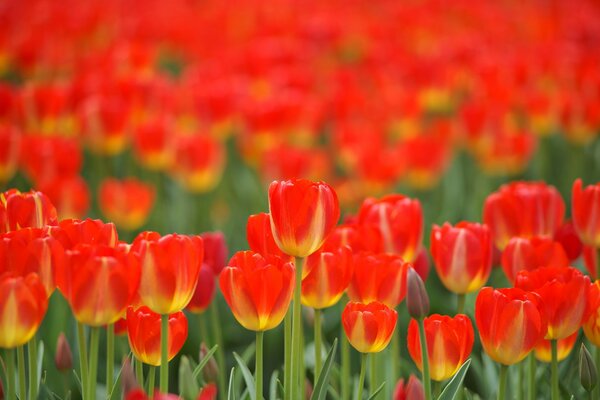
(320, 389)
(452, 388)
(204, 361)
(281, 388)
(230, 391)
(247, 375)
(333, 393)
(273, 385)
(40, 360)
(376, 392)
(188, 387)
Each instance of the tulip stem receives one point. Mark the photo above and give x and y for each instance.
(554, 367)
(502, 385)
(164, 354)
(10, 373)
(531, 377)
(151, 378)
(259, 365)
(317, 343)
(460, 303)
(110, 358)
(93, 368)
(203, 329)
(21, 367)
(425, 359)
(361, 380)
(296, 333)
(521, 380)
(32, 359)
(218, 340)
(372, 373)
(345, 373)
(139, 372)
(287, 356)
(83, 360)
(597, 354)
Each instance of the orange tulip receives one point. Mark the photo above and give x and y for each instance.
(369, 327)
(449, 343)
(510, 322)
(170, 268)
(198, 163)
(586, 217)
(260, 237)
(127, 203)
(378, 277)
(564, 293)
(72, 232)
(23, 304)
(204, 292)
(523, 209)
(543, 350)
(303, 214)
(528, 254)
(400, 222)
(462, 255)
(143, 331)
(328, 276)
(258, 289)
(99, 283)
(27, 210)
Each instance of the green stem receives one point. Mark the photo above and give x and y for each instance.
(296, 333)
(33, 376)
(164, 354)
(345, 373)
(203, 329)
(110, 358)
(395, 355)
(21, 367)
(502, 387)
(521, 380)
(151, 379)
(317, 343)
(597, 361)
(361, 380)
(372, 373)
(554, 368)
(93, 367)
(10, 374)
(531, 376)
(287, 364)
(218, 340)
(460, 303)
(139, 372)
(83, 360)
(425, 359)
(259, 365)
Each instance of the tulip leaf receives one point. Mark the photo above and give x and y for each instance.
(40, 360)
(452, 388)
(188, 387)
(320, 389)
(376, 392)
(332, 393)
(203, 362)
(230, 390)
(247, 375)
(273, 385)
(281, 388)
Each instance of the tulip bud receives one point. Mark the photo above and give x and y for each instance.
(63, 358)
(128, 381)
(210, 372)
(587, 369)
(417, 300)
(308, 391)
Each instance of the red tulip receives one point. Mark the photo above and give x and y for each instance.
(586, 212)
(449, 343)
(46, 158)
(204, 292)
(258, 289)
(590, 261)
(143, 331)
(10, 146)
(411, 390)
(567, 237)
(369, 327)
(93, 232)
(523, 209)
(543, 350)
(400, 222)
(260, 237)
(170, 268)
(357, 237)
(198, 163)
(462, 255)
(215, 251)
(328, 276)
(28, 210)
(127, 203)
(70, 195)
(528, 254)
(511, 322)
(153, 144)
(303, 214)
(23, 304)
(591, 326)
(208, 392)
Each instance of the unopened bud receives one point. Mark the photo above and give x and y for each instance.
(587, 369)
(128, 381)
(210, 372)
(63, 359)
(308, 389)
(417, 300)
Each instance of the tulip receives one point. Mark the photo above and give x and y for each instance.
(28, 210)
(523, 209)
(586, 218)
(144, 333)
(260, 237)
(70, 195)
(170, 268)
(528, 254)
(153, 144)
(588, 374)
(510, 322)
(369, 327)
(63, 359)
(215, 251)
(400, 222)
(303, 214)
(204, 292)
(567, 237)
(357, 237)
(72, 232)
(208, 392)
(417, 300)
(211, 371)
(378, 277)
(449, 342)
(199, 161)
(591, 326)
(127, 202)
(462, 256)
(564, 346)
(411, 390)
(47, 158)
(590, 261)
(10, 146)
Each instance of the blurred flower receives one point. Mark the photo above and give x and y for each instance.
(410, 390)
(462, 255)
(591, 326)
(586, 218)
(303, 214)
(127, 203)
(198, 163)
(143, 331)
(70, 195)
(569, 240)
(10, 151)
(208, 392)
(204, 292)
(528, 254)
(543, 351)
(258, 289)
(170, 268)
(260, 237)
(23, 304)
(369, 327)
(63, 358)
(449, 343)
(104, 119)
(28, 210)
(421, 264)
(511, 322)
(215, 251)
(47, 158)
(590, 261)
(153, 144)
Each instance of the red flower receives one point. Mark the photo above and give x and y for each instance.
(204, 292)
(591, 326)
(528, 254)
(260, 237)
(357, 237)
(567, 237)
(215, 251)
(586, 212)
(328, 276)
(198, 163)
(369, 327)
(411, 390)
(543, 350)
(72, 232)
(153, 144)
(10, 146)
(28, 210)
(127, 203)
(70, 195)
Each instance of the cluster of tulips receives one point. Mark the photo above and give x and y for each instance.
(300, 256)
